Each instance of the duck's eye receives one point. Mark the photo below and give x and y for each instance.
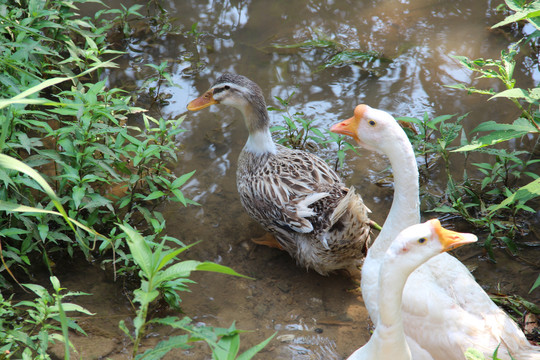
(422, 240)
(372, 122)
(227, 87)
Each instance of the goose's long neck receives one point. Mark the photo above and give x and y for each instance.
(392, 279)
(258, 124)
(391, 284)
(405, 210)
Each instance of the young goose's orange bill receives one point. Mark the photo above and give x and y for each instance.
(451, 239)
(203, 101)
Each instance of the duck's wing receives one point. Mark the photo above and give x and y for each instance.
(291, 191)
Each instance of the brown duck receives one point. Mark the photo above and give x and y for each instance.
(293, 194)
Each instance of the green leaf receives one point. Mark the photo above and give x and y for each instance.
(145, 297)
(494, 138)
(251, 352)
(179, 270)
(180, 196)
(473, 354)
(172, 254)
(519, 125)
(182, 179)
(43, 230)
(441, 118)
(445, 209)
(6, 206)
(227, 347)
(75, 307)
(78, 195)
(523, 194)
(536, 284)
(352, 56)
(164, 346)
(8, 162)
(123, 327)
(213, 267)
(21, 98)
(141, 252)
(154, 195)
(512, 93)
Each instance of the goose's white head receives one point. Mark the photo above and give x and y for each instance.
(418, 243)
(373, 129)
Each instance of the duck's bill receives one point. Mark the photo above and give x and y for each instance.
(451, 239)
(202, 102)
(347, 127)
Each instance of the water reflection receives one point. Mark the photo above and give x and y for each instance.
(238, 36)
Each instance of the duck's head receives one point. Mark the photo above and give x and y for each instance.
(418, 243)
(230, 89)
(239, 92)
(371, 128)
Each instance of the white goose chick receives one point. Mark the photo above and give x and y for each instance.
(413, 246)
(445, 311)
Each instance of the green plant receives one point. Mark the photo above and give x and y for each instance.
(342, 147)
(340, 54)
(433, 138)
(517, 305)
(488, 202)
(161, 275)
(473, 354)
(473, 200)
(27, 328)
(123, 16)
(507, 169)
(297, 131)
(70, 163)
(21, 257)
(523, 11)
(162, 74)
(301, 133)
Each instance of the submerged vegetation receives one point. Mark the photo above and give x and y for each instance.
(83, 168)
(338, 54)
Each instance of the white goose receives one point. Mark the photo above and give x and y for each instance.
(413, 246)
(445, 311)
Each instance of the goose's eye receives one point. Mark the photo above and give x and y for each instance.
(372, 122)
(422, 240)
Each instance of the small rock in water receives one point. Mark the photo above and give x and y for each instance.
(286, 338)
(283, 286)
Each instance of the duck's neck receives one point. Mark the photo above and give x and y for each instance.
(405, 210)
(258, 124)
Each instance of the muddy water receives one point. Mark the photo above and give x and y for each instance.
(315, 317)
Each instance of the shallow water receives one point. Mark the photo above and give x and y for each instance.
(316, 317)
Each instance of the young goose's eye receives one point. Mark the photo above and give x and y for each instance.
(372, 122)
(422, 240)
